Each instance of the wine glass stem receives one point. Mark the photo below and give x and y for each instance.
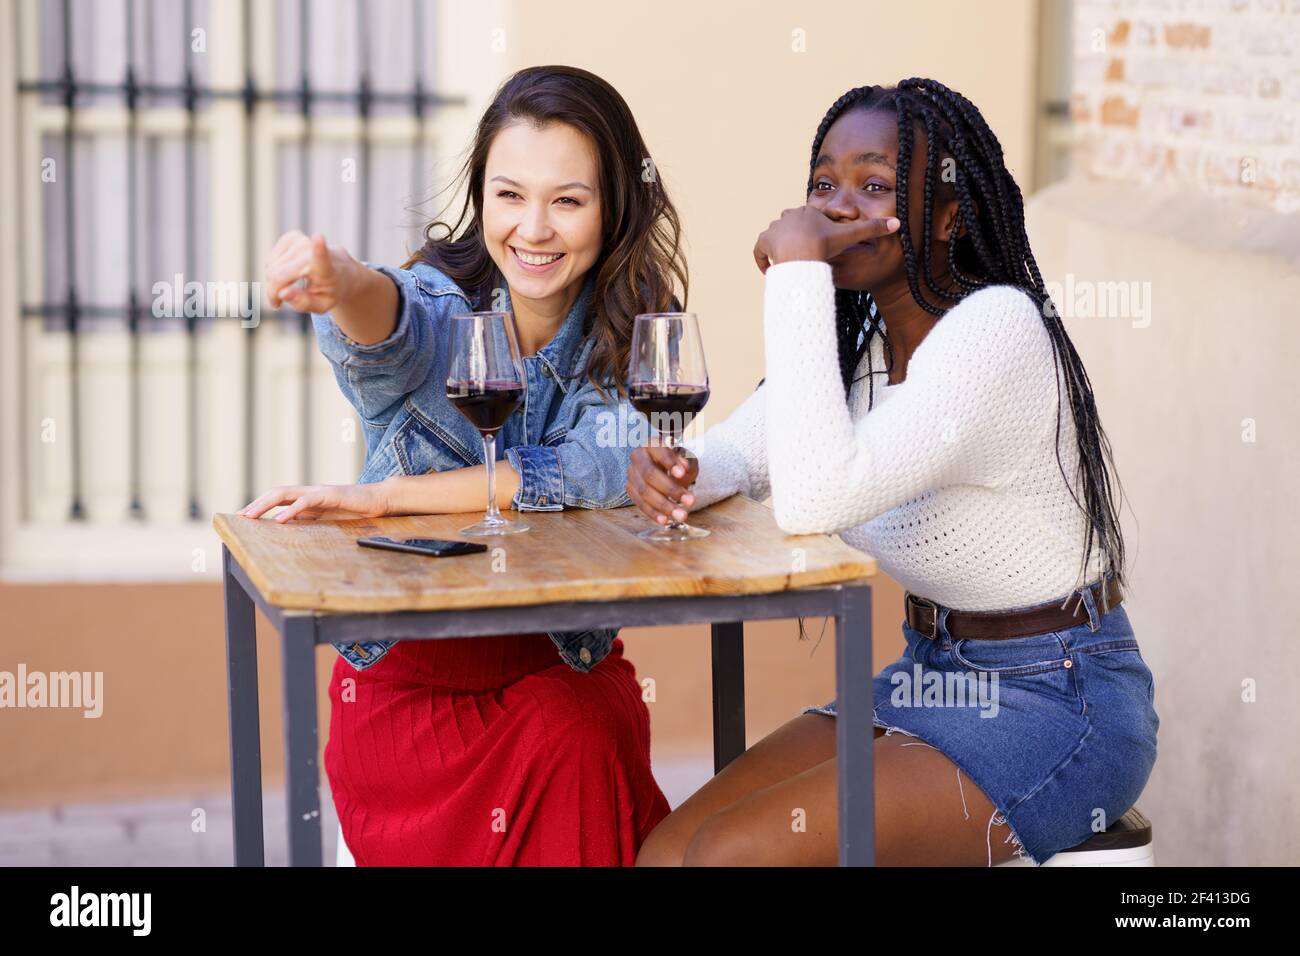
(490, 458)
(670, 442)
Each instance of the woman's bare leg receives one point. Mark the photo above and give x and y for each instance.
(776, 804)
(927, 814)
(795, 746)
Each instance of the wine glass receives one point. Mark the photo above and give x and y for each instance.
(486, 383)
(669, 384)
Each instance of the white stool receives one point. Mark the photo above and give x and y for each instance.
(1126, 842)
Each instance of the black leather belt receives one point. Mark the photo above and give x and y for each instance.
(923, 616)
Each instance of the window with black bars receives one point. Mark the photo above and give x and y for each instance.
(161, 102)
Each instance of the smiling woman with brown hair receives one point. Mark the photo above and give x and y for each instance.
(529, 749)
(923, 400)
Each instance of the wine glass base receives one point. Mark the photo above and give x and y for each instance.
(489, 529)
(678, 532)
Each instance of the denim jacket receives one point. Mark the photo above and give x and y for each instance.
(398, 387)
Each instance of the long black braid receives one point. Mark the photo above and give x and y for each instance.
(990, 247)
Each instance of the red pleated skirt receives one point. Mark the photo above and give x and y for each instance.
(491, 752)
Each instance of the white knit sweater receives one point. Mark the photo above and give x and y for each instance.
(950, 480)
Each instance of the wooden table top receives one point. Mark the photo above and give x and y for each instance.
(573, 555)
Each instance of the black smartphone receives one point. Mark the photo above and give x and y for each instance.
(434, 547)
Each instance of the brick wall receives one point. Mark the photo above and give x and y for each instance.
(1199, 94)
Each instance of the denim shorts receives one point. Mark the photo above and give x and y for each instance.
(1058, 729)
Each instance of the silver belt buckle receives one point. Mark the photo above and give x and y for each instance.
(934, 612)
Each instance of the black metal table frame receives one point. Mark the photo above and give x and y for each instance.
(301, 631)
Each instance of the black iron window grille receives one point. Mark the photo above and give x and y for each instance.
(143, 86)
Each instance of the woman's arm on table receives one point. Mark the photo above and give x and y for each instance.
(439, 492)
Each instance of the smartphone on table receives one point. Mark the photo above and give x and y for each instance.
(433, 547)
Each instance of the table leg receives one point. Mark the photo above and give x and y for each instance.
(245, 743)
(728, 692)
(302, 779)
(854, 736)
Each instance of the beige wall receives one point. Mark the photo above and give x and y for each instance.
(1186, 182)
(1200, 407)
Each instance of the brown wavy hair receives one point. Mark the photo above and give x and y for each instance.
(641, 261)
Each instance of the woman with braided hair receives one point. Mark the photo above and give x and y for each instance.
(923, 400)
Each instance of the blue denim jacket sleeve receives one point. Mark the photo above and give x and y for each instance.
(586, 470)
(376, 377)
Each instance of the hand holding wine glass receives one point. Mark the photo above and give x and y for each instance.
(659, 482)
(669, 384)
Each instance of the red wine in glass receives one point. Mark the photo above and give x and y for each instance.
(487, 405)
(486, 383)
(669, 384)
(668, 407)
